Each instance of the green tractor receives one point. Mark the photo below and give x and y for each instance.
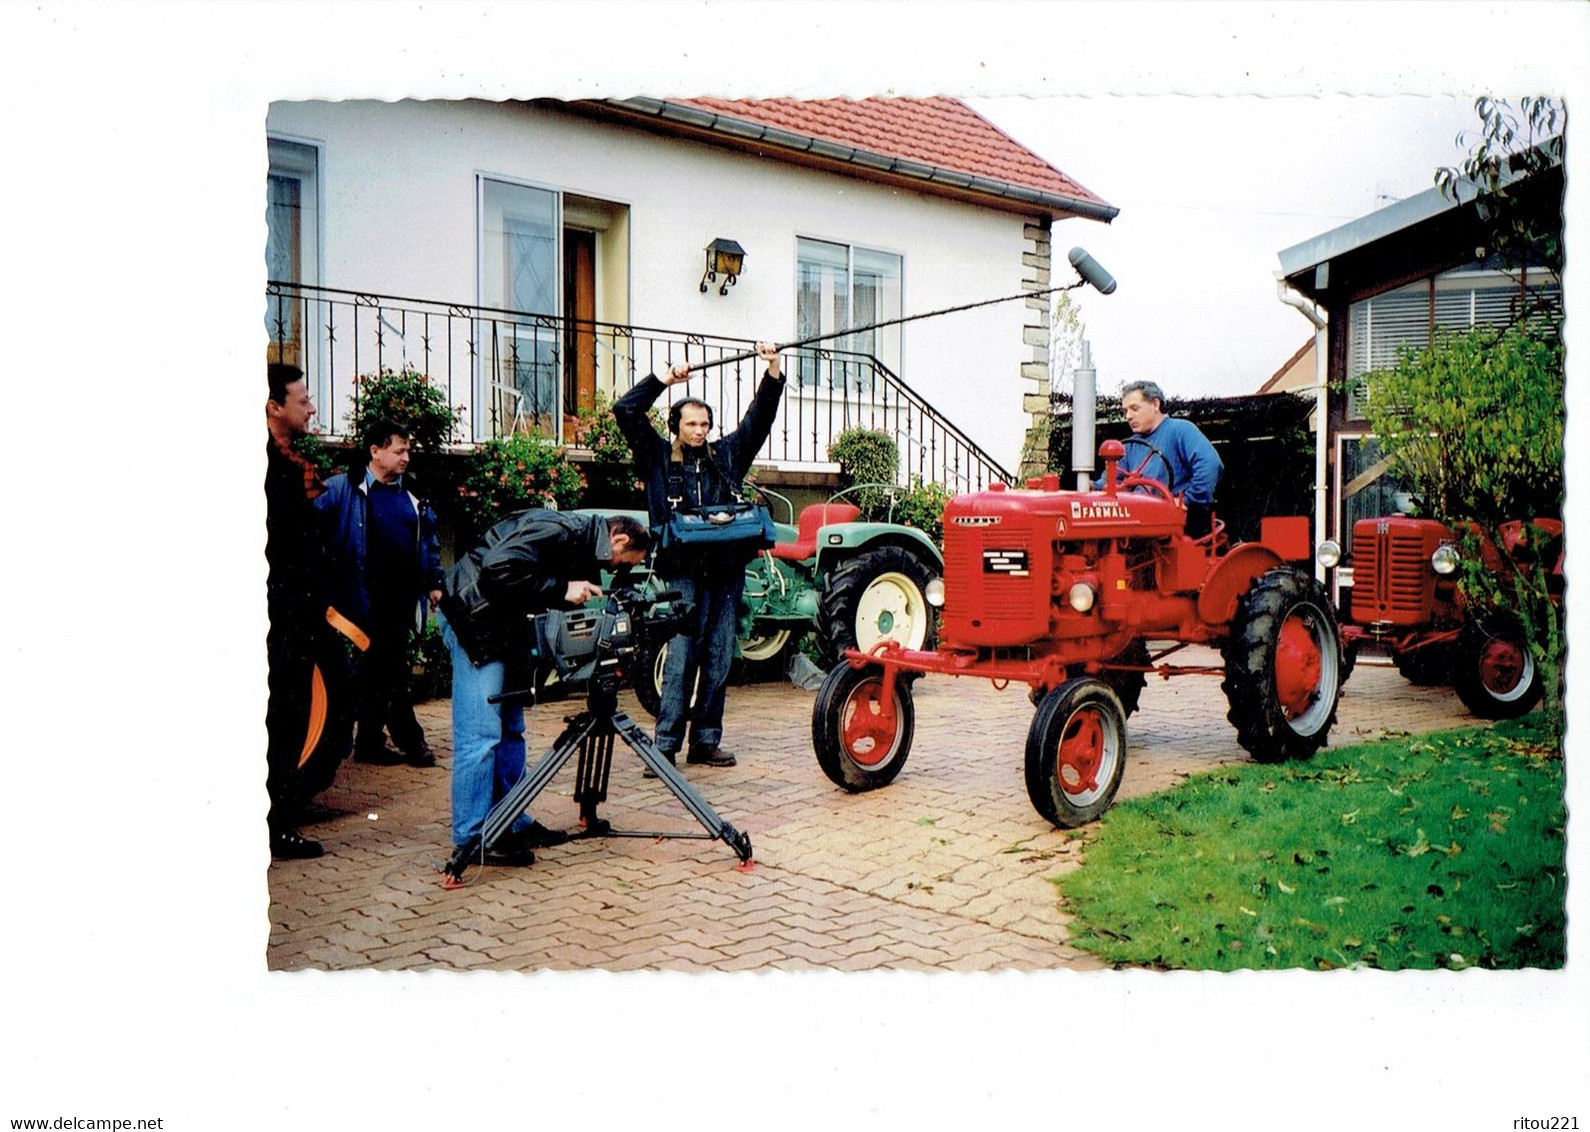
(855, 583)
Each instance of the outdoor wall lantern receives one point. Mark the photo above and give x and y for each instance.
(725, 258)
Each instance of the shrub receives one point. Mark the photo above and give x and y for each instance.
(407, 397)
(314, 449)
(923, 508)
(866, 456)
(513, 474)
(611, 476)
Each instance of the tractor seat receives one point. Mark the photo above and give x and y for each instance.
(806, 527)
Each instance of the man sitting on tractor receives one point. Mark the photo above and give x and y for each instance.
(1171, 450)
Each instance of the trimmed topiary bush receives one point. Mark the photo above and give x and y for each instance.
(866, 456)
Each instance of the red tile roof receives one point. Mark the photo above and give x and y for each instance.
(940, 133)
(934, 131)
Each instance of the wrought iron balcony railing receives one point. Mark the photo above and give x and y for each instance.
(509, 371)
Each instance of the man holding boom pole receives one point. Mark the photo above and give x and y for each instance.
(691, 472)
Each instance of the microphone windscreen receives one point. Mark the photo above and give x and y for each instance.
(1088, 267)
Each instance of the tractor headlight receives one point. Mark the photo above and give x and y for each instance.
(1082, 596)
(1329, 553)
(934, 592)
(1445, 559)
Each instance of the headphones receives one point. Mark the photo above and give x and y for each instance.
(677, 410)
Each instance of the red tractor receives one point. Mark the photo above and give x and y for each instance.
(1063, 591)
(1404, 602)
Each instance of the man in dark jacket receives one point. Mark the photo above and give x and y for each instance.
(533, 562)
(309, 720)
(692, 472)
(386, 563)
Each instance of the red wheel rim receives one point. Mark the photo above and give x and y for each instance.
(869, 725)
(1081, 752)
(1298, 667)
(1501, 666)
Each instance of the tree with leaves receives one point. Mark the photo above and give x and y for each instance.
(1511, 146)
(1474, 422)
(1066, 332)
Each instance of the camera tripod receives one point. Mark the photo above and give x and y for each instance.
(591, 734)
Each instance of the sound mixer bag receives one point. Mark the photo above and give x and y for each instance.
(724, 530)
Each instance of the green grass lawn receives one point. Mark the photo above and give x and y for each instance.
(1428, 851)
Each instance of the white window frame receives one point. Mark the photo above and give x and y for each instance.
(311, 235)
(1429, 292)
(486, 384)
(851, 247)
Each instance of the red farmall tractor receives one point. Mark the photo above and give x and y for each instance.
(1063, 591)
(1405, 602)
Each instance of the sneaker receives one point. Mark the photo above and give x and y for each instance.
(709, 756)
(673, 760)
(290, 846)
(539, 836)
(535, 836)
(517, 856)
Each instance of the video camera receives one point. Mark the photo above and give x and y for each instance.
(593, 643)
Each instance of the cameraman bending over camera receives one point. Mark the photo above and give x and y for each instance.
(533, 562)
(691, 473)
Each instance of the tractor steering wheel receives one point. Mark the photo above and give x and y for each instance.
(1135, 477)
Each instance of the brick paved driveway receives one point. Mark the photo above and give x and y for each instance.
(947, 869)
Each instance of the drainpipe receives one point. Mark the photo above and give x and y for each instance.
(1312, 312)
(1083, 411)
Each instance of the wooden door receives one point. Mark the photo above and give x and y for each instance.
(579, 316)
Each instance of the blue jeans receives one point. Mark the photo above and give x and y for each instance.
(705, 645)
(488, 741)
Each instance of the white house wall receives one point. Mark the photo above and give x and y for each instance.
(398, 202)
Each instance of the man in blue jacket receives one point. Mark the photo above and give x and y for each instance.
(691, 472)
(386, 565)
(1173, 451)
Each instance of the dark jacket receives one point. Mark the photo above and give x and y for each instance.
(706, 475)
(523, 567)
(345, 507)
(295, 587)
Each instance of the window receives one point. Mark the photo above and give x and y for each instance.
(519, 272)
(836, 287)
(1456, 300)
(291, 241)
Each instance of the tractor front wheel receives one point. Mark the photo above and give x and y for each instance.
(1076, 752)
(1283, 667)
(876, 596)
(1493, 671)
(861, 739)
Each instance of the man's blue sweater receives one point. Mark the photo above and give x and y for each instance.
(1190, 468)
